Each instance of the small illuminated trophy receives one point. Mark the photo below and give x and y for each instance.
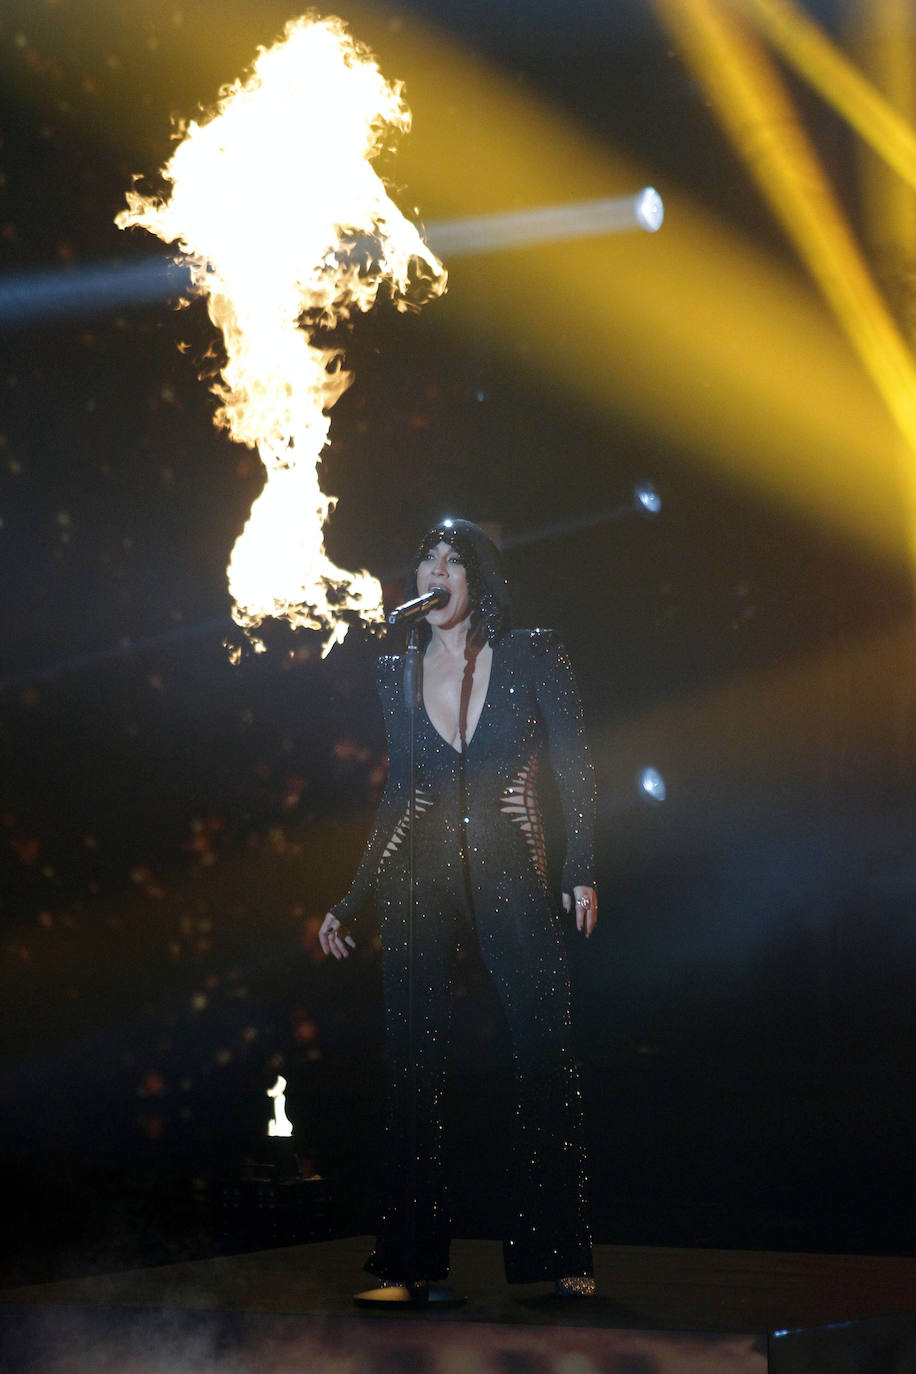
(280, 1125)
(281, 1152)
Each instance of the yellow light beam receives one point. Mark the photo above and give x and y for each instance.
(698, 335)
(815, 57)
(883, 36)
(755, 109)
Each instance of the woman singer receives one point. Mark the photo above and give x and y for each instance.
(497, 706)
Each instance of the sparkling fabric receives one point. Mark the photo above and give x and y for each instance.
(481, 869)
(576, 1286)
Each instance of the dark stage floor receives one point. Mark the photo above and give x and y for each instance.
(690, 1311)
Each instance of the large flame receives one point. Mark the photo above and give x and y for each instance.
(273, 200)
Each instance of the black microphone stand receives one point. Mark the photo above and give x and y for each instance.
(415, 1292)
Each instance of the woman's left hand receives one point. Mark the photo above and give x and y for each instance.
(586, 908)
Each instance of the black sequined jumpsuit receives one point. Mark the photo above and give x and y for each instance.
(481, 862)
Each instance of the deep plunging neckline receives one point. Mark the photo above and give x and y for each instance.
(473, 735)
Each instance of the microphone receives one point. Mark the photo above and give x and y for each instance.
(413, 610)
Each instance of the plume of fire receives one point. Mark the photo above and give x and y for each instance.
(286, 226)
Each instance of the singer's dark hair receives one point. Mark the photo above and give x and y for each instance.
(491, 609)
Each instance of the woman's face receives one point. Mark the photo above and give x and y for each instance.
(441, 566)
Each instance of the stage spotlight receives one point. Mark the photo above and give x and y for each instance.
(646, 500)
(650, 210)
(652, 785)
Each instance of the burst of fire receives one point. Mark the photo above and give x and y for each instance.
(285, 225)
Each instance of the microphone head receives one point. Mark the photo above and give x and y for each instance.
(432, 600)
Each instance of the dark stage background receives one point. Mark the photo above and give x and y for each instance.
(173, 827)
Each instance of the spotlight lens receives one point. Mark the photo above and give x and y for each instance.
(646, 498)
(653, 784)
(650, 210)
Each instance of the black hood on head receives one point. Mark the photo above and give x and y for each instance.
(483, 566)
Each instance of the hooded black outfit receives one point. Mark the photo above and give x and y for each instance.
(481, 865)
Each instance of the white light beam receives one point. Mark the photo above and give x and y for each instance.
(548, 224)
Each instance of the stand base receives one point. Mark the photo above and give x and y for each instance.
(410, 1295)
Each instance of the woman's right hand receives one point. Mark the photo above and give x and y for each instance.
(334, 938)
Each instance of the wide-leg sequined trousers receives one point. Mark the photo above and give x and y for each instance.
(521, 946)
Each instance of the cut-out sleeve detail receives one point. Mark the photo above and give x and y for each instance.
(424, 801)
(520, 804)
(561, 711)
